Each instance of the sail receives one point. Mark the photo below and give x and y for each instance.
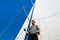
(47, 16)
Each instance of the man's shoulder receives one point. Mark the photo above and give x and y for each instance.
(36, 25)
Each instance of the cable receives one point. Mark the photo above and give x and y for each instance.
(48, 17)
(28, 19)
(25, 12)
(8, 24)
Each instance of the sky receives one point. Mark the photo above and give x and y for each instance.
(12, 17)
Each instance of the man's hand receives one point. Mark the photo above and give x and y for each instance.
(38, 32)
(24, 29)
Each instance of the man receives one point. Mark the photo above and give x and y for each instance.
(33, 31)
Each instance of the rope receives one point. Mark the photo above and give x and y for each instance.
(48, 17)
(25, 12)
(8, 24)
(26, 37)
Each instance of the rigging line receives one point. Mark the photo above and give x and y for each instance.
(48, 17)
(29, 24)
(32, 2)
(25, 12)
(31, 15)
(28, 19)
(39, 25)
(9, 24)
(26, 37)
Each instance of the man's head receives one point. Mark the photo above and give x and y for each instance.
(33, 22)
